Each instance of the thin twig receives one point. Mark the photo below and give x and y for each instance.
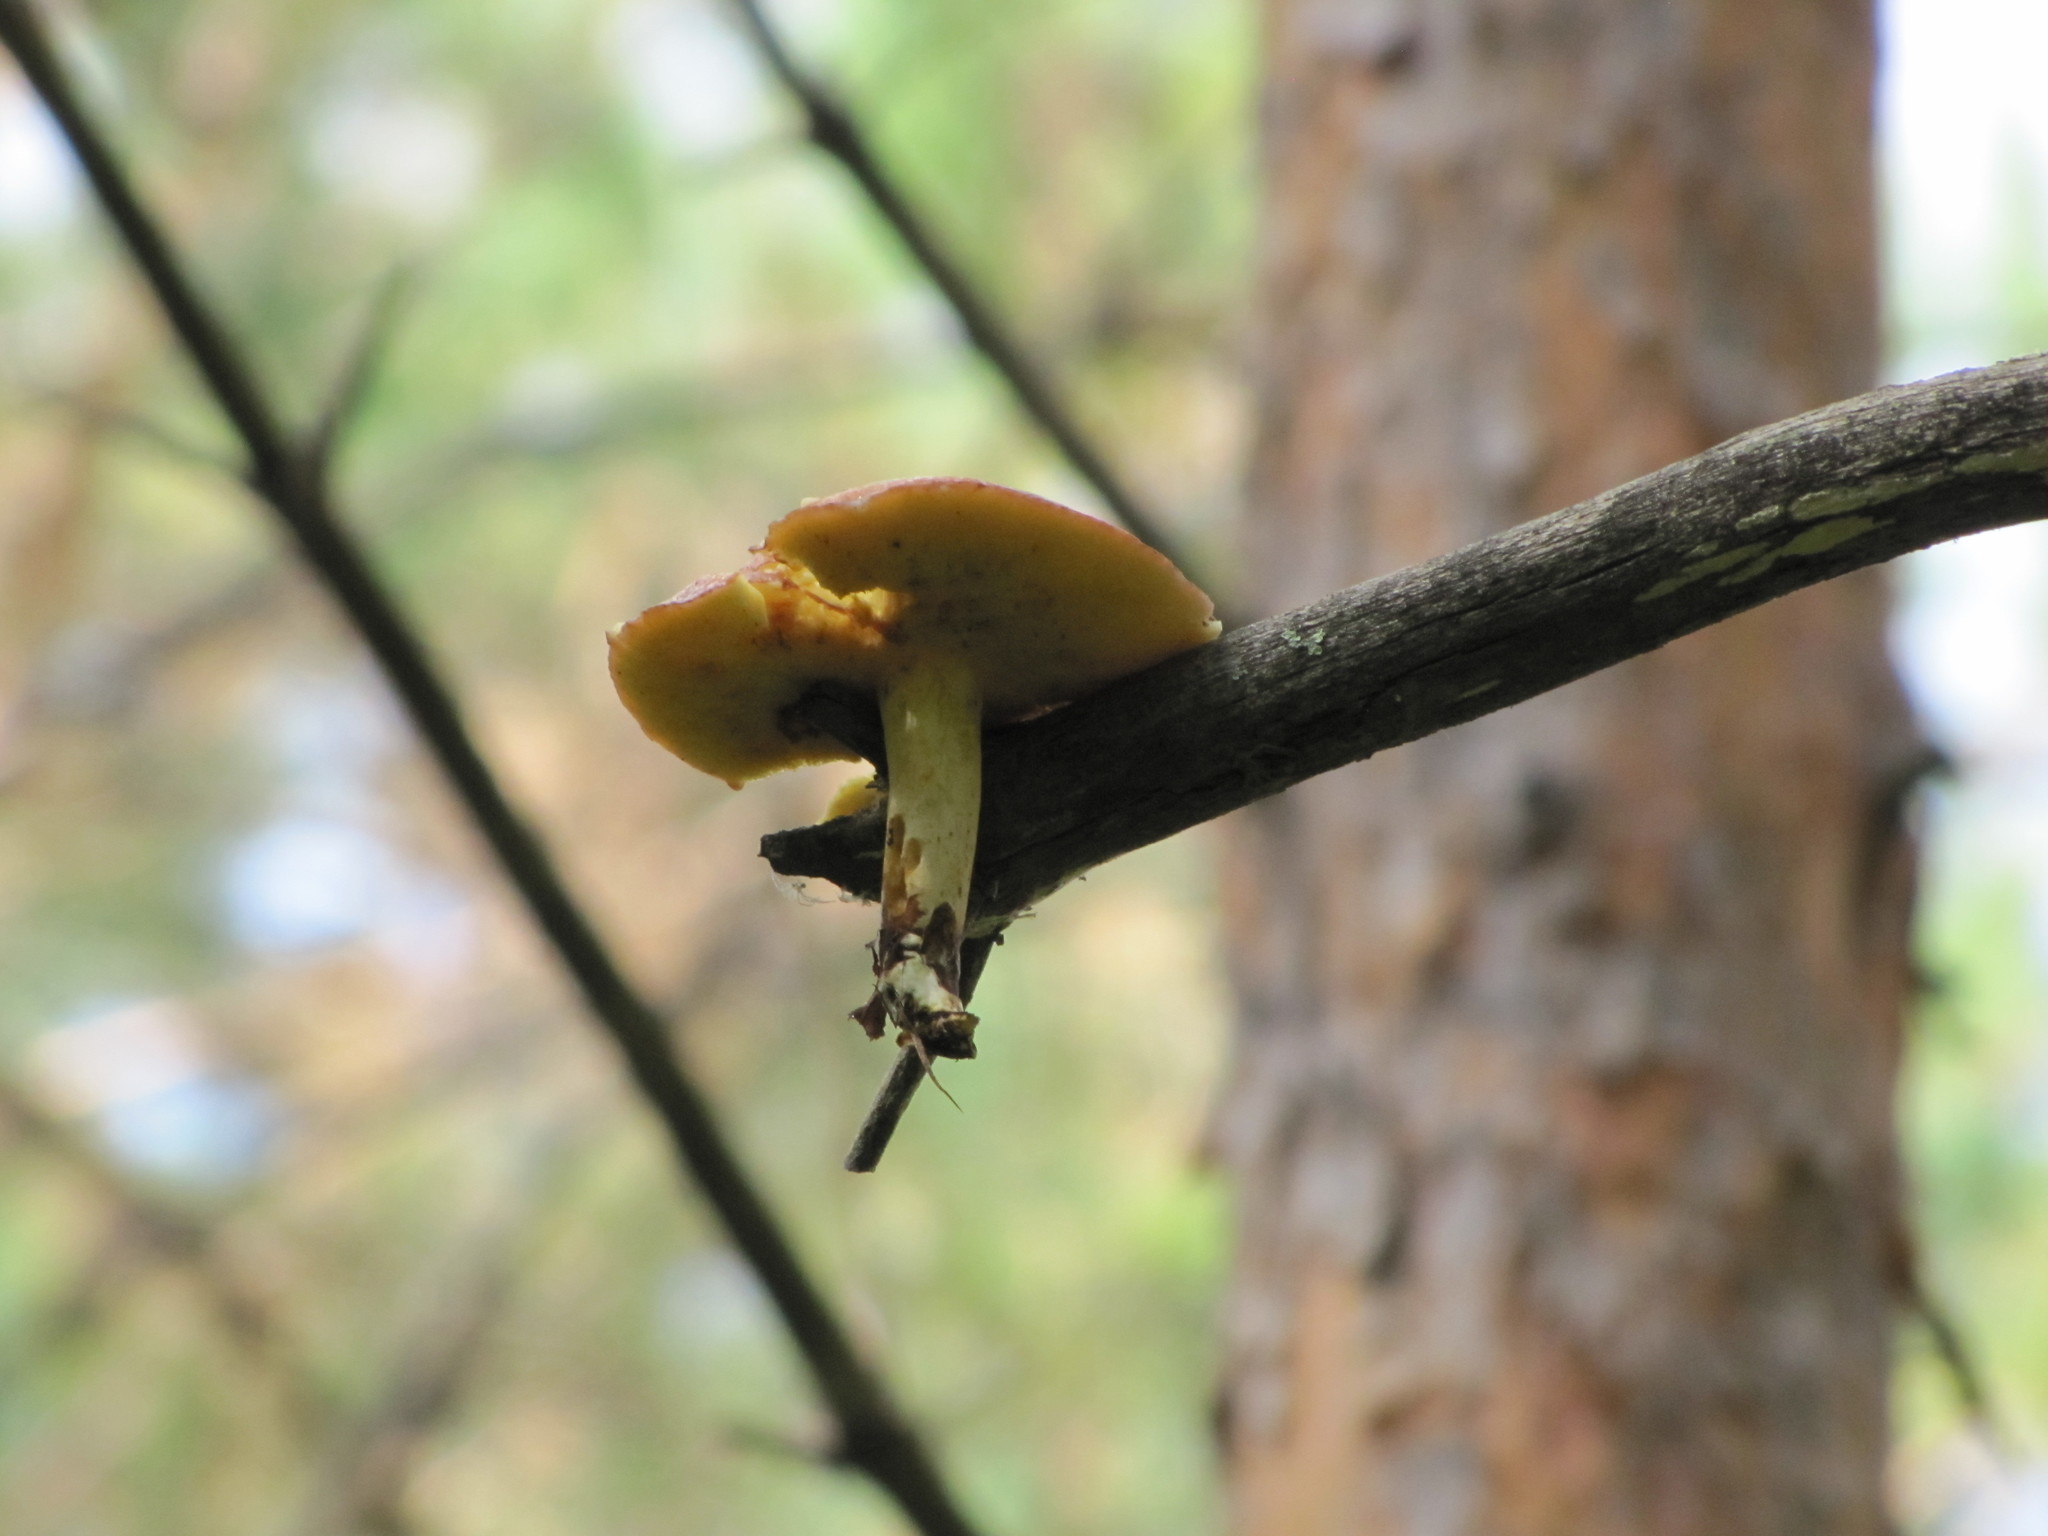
(886, 1113)
(833, 128)
(133, 424)
(1958, 1360)
(358, 370)
(876, 1437)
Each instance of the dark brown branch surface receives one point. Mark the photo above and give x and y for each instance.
(1482, 628)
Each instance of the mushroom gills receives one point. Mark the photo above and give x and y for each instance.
(931, 725)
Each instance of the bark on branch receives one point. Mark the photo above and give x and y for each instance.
(1485, 627)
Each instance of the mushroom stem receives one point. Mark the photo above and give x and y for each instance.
(931, 725)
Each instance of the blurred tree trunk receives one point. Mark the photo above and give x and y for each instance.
(1562, 1115)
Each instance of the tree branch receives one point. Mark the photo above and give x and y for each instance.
(359, 368)
(833, 128)
(1957, 1359)
(874, 1435)
(1485, 627)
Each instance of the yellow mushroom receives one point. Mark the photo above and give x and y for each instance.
(958, 604)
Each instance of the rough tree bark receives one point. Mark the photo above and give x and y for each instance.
(1561, 1117)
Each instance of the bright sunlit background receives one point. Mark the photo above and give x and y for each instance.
(294, 1116)
(1965, 154)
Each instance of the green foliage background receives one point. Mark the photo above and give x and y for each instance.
(643, 319)
(625, 347)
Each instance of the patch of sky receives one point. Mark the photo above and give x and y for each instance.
(1991, 1498)
(553, 403)
(320, 870)
(913, 324)
(141, 1073)
(1964, 144)
(709, 1301)
(329, 735)
(1963, 113)
(1969, 642)
(692, 80)
(305, 882)
(387, 140)
(39, 183)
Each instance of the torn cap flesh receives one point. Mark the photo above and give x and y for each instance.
(709, 673)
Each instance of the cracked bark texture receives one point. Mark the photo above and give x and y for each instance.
(1561, 1109)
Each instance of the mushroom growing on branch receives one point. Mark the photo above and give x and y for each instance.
(956, 604)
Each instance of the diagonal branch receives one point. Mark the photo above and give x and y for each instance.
(833, 128)
(1485, 627)
(1959, 1361)
(875, 1437)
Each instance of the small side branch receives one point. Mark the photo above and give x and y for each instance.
(1958, 1361)
(358, 370)
(886, 1113)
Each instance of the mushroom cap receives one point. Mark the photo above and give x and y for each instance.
(1044, 603)
(709, 673)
